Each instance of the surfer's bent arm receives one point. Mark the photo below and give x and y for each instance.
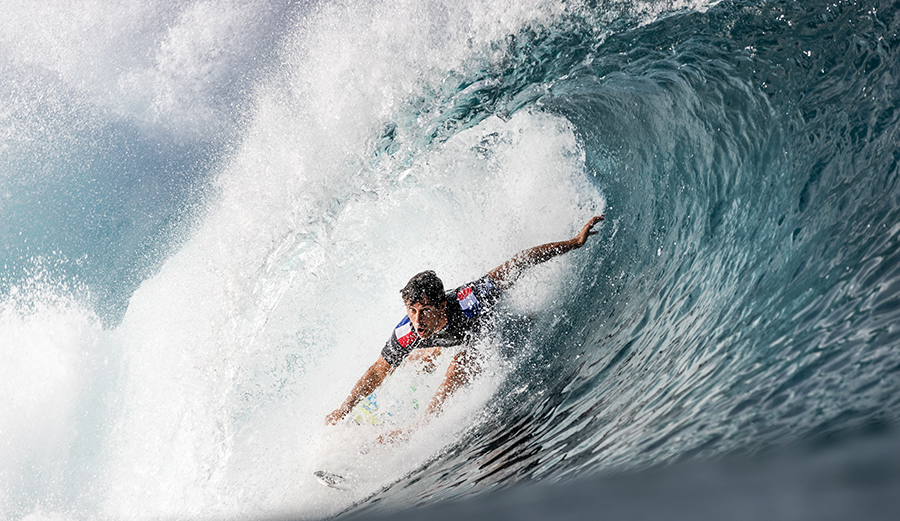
(461, 369)
(370, 381)
(510, 270)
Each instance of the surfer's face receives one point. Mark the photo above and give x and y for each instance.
(426, 317)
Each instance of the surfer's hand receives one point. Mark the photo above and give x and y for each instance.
(334, 417)
(587, 231)
(395, 436)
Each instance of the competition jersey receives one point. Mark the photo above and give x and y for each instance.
(467, 306)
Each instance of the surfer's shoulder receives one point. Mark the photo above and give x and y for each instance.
(472, 297)
(405, 333)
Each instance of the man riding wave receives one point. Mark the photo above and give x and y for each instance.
(436, 319)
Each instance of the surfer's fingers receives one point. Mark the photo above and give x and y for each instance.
(593, 222)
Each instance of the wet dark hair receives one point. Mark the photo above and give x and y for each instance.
(424, 288)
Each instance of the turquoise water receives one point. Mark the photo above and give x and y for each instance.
(207, 211)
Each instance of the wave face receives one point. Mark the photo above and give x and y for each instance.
(207, 212)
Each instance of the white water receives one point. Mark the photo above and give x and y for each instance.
(240, 346)
(208, 399)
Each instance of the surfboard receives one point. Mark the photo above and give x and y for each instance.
(391, 407)
(381, 411)
(366, 413)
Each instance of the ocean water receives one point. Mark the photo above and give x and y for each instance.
(207, 210)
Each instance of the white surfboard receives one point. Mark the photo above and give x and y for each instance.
(377, 414)
(392, 405)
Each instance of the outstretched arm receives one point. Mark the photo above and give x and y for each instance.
(370, 381)
(510, 270)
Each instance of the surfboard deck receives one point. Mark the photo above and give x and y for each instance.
(394, 404)
(391, 406)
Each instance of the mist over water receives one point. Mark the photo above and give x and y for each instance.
(208, 210)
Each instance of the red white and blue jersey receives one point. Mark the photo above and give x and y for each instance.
(467, 307)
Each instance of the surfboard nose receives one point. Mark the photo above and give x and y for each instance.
(329, 479)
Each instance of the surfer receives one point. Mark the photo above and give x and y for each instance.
(436, 319)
